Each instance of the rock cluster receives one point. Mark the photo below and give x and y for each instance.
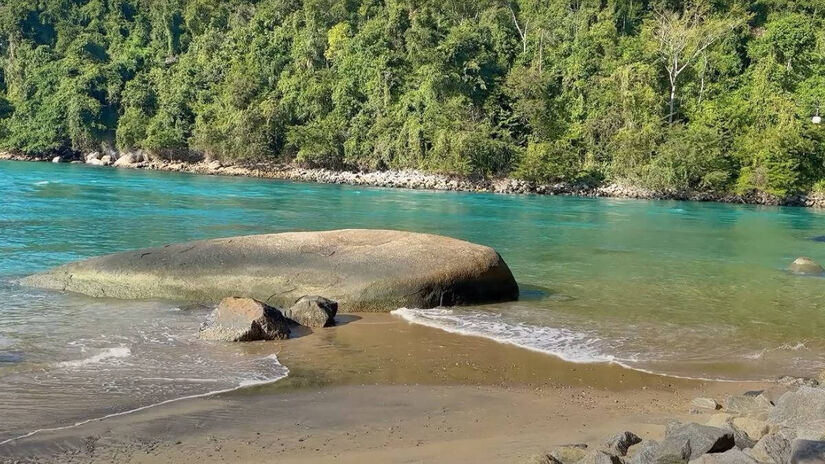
(748, 429)
(246, 319)
(412, 179)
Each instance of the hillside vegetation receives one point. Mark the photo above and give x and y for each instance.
(706, 95)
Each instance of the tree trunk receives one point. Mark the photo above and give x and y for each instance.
(672, 103)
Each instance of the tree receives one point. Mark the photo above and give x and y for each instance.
(684, 36)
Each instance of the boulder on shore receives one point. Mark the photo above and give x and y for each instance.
(245, 320)
(363, 270)
(805, 266)
(313, 312)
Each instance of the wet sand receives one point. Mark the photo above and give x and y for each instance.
(378, 389)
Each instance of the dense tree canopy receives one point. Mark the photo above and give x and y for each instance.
(673, 94)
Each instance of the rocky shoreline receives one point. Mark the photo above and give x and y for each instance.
(413, 179)
(750, 428)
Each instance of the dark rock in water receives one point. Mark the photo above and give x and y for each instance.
(244, 320)
(807, 452)
(774, 447)
(313, 312)
(731, 456)
(805, 266)
(363, 270)
(802, 407)
(818, 238)
(619, 444)
(11, 357)
(689, 441)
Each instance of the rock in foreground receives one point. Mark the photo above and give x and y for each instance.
(245, 320)
(363, 270)
(313, 311)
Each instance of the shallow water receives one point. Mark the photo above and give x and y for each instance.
(685, 289)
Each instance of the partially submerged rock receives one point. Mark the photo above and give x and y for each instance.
(805, 266)
(313, 312)
(363, 270)
(245, 320)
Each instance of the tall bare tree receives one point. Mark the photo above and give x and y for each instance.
(684, 36)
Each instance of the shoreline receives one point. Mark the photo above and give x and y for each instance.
(345, 400)
(418, 180)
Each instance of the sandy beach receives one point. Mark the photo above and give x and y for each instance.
(378, 389)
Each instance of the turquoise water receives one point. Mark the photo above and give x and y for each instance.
(687, 289)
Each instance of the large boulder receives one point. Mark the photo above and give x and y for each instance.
(749, 405)
(313, 311)
(801, 408)
(774, 447)
(805, 266)
(245, 320)
(683, 443)
(363, 270)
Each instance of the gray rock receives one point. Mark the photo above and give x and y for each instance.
(705, 403)
(805, 266)
(363, 270)
(799, 408)
(731, 456)
(313, 312)
(619, 444)
(599, 457)
(807, 452)
(244, 320)
(748, 405)
(689, 441)
(789, 381)
(645, 454)
(774, 447)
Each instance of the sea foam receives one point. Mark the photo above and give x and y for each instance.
(109, 353)
(569, 345)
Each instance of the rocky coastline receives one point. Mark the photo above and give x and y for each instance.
(412, 179)
(749, 428)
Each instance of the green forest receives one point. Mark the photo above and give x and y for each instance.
(666, 94)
